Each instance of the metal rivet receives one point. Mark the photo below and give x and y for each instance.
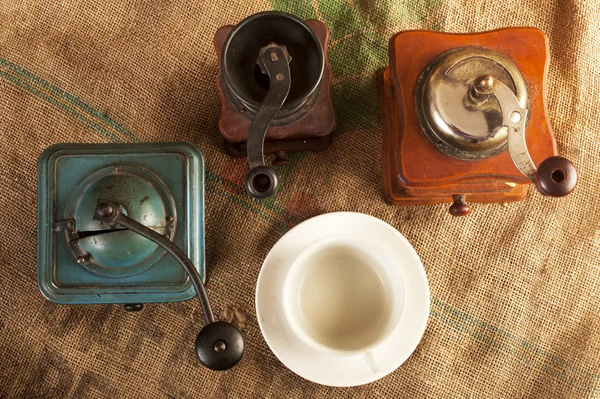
(274, 56)
(485, 84)
(279, 76)
(515, 116)
(169, 219)
(82, 259)
(220, 346)
(105, 210)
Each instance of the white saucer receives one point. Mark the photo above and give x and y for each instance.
(326, 369)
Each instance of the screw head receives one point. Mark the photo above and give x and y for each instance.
(105, 210)
(485, 84)
(274, 56)
(220, 346)
(82, 259)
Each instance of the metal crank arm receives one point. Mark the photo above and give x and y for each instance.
(219, 345)
(555, 176)
(273, 60)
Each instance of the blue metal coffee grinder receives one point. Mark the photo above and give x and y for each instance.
(124, 224)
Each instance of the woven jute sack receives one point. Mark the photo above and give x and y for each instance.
(515, 289)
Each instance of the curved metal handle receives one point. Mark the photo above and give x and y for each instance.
(219, 345)
(555, 176)
(273, 61)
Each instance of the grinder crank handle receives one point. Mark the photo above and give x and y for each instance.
(273, 60)
(219, 345)
(555, 176)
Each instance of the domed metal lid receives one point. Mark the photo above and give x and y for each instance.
(143, 197)
(457, 123)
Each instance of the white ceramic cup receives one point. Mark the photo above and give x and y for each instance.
(343, 295)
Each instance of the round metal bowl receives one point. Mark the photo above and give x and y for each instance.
(247, 85)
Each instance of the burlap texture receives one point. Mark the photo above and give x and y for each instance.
(515, 290)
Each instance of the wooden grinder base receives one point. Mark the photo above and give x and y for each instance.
(311, 132)
(415, 172)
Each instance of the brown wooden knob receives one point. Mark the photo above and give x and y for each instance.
(556, 177)
(281, 159)
(459, 207)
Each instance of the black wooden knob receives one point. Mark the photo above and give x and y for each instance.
(556, 177)
(219, 345)
(261, 182)
(133, 307)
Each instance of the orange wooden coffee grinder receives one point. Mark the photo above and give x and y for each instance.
(464, 119)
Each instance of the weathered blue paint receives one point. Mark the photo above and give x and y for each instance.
(151, 181)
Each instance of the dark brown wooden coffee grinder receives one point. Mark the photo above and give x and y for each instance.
(275, 86)
(464, 119)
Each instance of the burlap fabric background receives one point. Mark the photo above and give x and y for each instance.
(515, 290)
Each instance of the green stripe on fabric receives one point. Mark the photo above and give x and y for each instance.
(303, 9)
(244, 201)
(283, 174)
(510, 337)
(69, 97)
(106, 133)
(340, 16)
(69, 110)
(360, 31)
(530, 363)
(268, 204)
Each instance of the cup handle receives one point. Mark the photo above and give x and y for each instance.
(372, 362)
